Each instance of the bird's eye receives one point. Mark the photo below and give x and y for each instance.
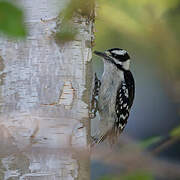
(114, 55)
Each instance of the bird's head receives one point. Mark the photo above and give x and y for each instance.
(119, 57)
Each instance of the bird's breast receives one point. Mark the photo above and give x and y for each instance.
(108, 91)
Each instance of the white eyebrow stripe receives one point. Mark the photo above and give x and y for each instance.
(119, 52)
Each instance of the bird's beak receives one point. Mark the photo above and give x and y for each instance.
(101, 54)
(104, 55)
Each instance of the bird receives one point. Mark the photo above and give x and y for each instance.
(115, 93)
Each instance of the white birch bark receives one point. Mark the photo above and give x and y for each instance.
(42, 112)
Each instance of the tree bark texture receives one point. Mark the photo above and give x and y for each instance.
(43, 113)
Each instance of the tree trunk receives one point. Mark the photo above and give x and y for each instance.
(44, 110)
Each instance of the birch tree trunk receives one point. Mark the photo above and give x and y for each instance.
(44, 114)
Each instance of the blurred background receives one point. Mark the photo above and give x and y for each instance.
(150, 32)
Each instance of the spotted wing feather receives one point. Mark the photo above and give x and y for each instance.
(124, 100)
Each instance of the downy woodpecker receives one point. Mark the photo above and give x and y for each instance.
(116, 93)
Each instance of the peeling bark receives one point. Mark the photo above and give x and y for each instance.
(41, 89)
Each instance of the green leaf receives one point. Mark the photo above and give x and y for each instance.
(11, 20)
(146, 143)
(175, 132)
(132, 176)
(138, 176)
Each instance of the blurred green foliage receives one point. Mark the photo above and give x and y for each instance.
(145, 27)
(75, 8)
(175, 132)
(11, 20)
(79, 7)
(150, 31)
(132, 176)
(150, 141)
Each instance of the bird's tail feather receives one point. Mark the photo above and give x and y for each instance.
(111, 135)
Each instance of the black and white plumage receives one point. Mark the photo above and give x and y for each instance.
(124, 100)
(116, 93)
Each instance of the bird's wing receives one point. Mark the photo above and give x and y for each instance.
(122, 106)
(124, 100)
(130, 85)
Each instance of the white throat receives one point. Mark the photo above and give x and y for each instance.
(126, 64)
